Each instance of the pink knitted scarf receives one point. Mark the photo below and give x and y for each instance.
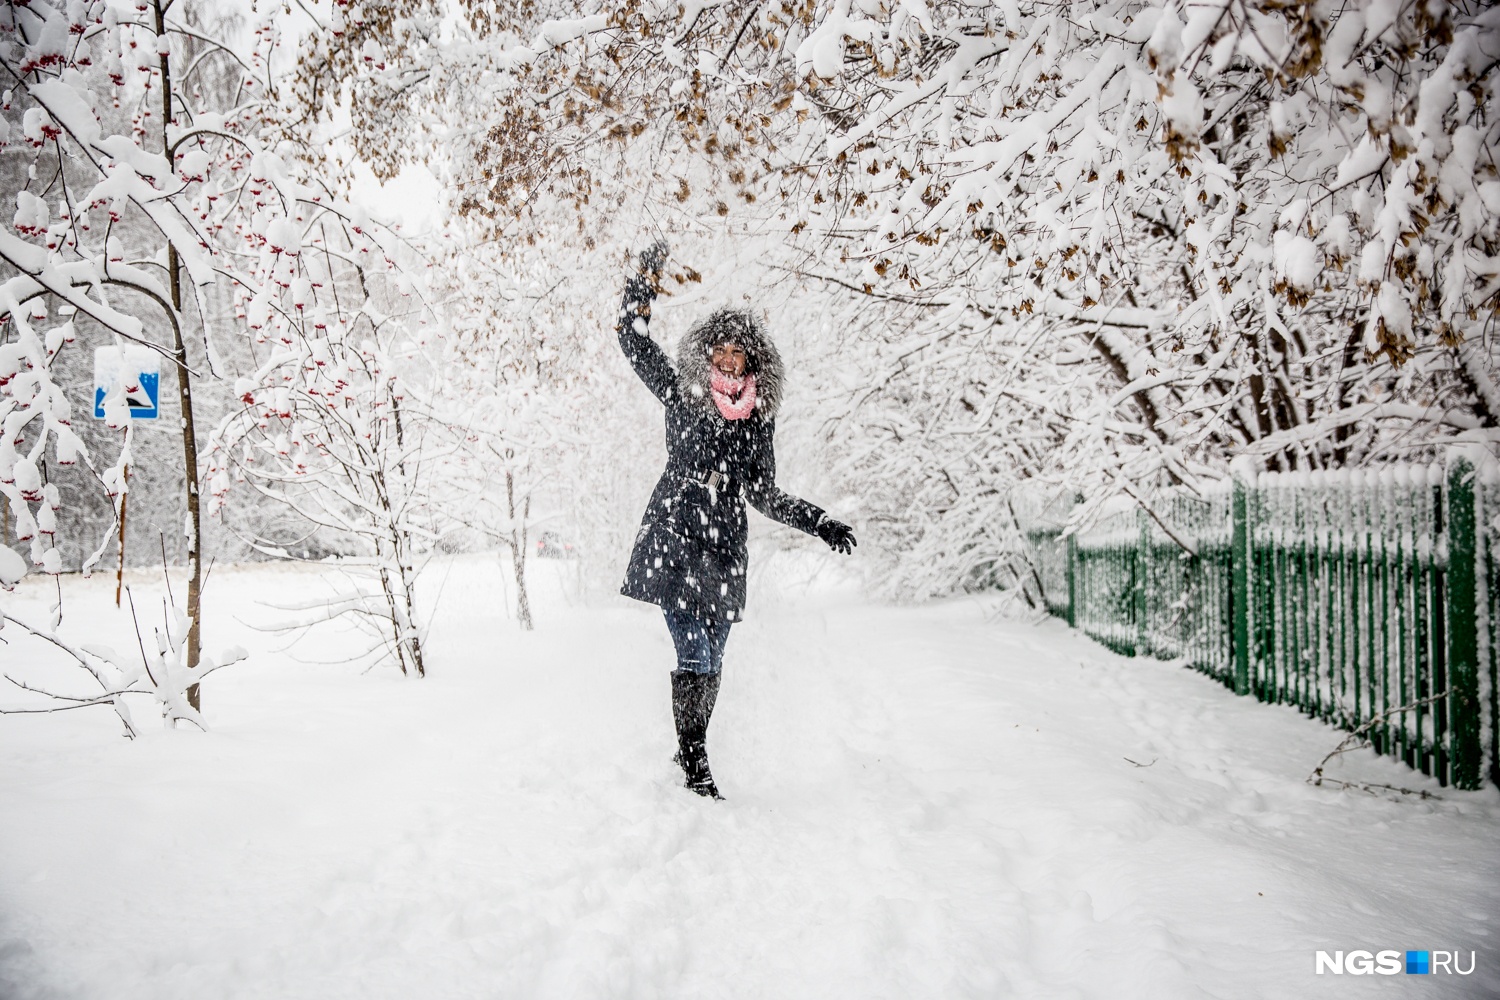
(735, 397)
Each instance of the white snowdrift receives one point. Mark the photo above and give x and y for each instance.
(921, 803)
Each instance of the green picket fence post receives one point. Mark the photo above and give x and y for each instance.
(1463, 631)
(1242, 470)
(1143, 581)
(1487, 493)
(1072, 580)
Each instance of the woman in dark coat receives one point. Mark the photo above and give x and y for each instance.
(689, 556)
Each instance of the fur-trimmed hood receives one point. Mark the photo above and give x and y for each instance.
(722, 326)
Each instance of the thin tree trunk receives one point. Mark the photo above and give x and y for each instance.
(1342, 432)
(190, 472)
(408, 638)
(184, 392)
(387, 588)
(411, 635)
(518, 551)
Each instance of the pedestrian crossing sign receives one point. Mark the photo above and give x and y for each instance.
(127, 384)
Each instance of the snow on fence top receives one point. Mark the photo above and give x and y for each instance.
(1368, 598)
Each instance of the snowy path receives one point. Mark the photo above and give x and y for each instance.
(922, 803)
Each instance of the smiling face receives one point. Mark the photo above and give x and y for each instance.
(729, 358)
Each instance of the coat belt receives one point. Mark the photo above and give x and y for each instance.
(716, 481)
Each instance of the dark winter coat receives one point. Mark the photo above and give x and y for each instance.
(690, 550)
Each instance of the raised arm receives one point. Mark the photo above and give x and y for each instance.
(643, 353)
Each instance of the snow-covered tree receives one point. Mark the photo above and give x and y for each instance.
(1109, 244)
(327, 429)
(148, 185)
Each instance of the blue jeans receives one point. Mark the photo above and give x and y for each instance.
(700, 644)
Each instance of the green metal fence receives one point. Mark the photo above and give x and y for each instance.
(1364, 598)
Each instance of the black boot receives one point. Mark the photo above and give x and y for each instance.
(693, 697)
(685, 697)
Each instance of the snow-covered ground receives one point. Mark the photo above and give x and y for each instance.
(922, 802)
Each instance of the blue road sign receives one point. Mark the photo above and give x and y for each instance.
(132, 371)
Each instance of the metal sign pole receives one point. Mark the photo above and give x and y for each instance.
(125, 374)
(120, 565)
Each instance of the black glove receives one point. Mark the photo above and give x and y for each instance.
(838, 535)
(654, 258)
(640, 289)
